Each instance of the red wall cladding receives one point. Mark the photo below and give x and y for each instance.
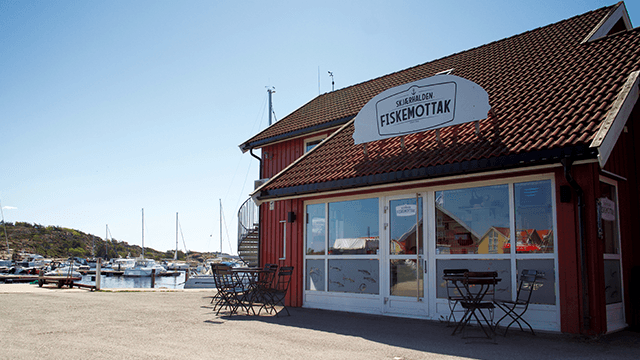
(272, 250)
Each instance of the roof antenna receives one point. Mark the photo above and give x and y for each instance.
(270, 90)
(332, 83)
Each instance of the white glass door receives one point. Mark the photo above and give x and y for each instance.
(405, 256)
(608, 232)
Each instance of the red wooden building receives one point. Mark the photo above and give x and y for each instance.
(553, 165)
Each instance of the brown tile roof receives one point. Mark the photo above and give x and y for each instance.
(549, 92)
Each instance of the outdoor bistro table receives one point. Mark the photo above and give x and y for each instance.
(473, 287)
(249, 277)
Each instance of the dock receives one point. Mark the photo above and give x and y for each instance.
(59, 280)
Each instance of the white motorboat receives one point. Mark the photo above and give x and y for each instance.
(200, 282)
(177, 265)
(123, 264)
(144, 267)
(69, 271)
(203, 279)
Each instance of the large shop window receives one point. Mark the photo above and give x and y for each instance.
(343, 251)
(474, 231)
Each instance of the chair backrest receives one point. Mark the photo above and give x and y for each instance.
(271, 267)
(265, 278)
(283, 279)
(482, 278)
(455, 271)
(452, 290)
(223, 277)
(214, 267)
(527, 284)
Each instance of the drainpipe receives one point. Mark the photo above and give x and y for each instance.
(586, 318)
(259, 212)
(259, 160)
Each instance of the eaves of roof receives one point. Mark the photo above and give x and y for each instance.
(550, 93)
(542, 157)
(294, 133)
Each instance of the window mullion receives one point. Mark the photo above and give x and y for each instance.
(512, 240)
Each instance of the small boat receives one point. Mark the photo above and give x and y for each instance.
(144, 267)
(205, 281)
(177, 265)
(69, 271)
(123, 264)
(200, 282)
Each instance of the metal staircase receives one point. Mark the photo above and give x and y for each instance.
(249, 233)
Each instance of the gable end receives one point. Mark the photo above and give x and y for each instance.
(617, 21)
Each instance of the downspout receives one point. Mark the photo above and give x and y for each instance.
(259, 160)
(259, 212)
(586, 317)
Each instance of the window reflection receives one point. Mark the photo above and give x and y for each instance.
(472, 221)
(534, 219)
(316, 224)
(353, 227)
(315, 275)
(403, 226)
(406, 278)
(501, 266)
(544, 291)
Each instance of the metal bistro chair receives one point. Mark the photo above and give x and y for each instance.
(516, 309)
(479, 298)
(216, 296)
(453, 293)
(276, 294)
(230, 292)
(263, 280)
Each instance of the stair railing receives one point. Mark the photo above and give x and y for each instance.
(248, 219)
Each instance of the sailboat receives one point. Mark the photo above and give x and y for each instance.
(144, 267)
(175, 264)
(204, 281)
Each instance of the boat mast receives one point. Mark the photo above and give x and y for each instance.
(5, 228)
(106, 242)
(175, 255)
(143, 233)
(220, 226)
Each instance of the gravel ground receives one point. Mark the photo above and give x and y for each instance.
(52, 323)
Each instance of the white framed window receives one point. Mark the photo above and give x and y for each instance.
(478, 228)
(506, 225)
(310, 143)
(341, 246)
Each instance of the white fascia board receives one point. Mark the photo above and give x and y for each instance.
(607, 23)
(256, 193)
(616, 119)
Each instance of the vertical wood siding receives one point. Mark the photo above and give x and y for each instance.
(271, 249)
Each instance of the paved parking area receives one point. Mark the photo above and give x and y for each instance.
(56, 323)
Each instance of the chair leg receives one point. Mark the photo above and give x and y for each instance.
(516, 318)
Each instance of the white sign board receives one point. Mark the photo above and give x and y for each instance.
(406, 210)
(607, 209)
(431, 103)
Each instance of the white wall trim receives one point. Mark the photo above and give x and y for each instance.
(607, 23)
(612, 126)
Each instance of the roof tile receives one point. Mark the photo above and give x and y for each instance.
(547, 89)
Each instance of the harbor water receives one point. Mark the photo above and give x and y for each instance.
(122, 282)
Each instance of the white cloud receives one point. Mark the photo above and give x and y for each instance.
(9, 207)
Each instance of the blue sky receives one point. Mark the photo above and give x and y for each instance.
(113, 106)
